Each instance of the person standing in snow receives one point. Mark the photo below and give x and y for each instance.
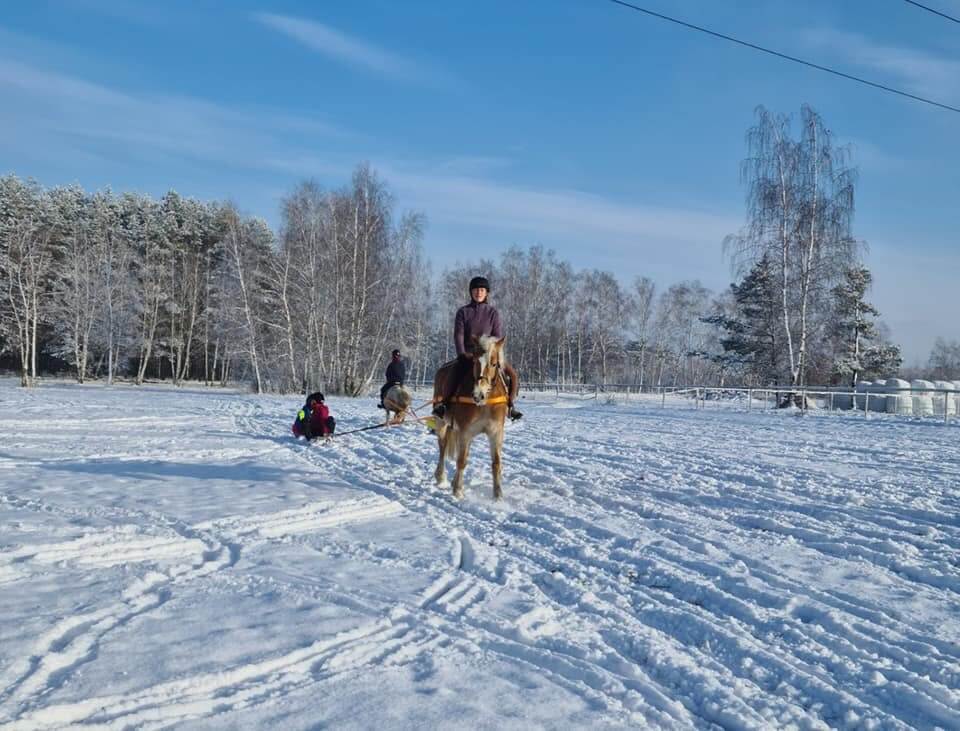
(476, 318)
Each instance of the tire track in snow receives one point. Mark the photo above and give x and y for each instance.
(307, 519)
(937, 697)
(391, 641)
(563, 662)
(203, 549)
(933, 700)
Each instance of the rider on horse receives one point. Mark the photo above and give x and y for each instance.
(477, 318)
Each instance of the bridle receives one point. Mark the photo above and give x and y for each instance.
(481, 370)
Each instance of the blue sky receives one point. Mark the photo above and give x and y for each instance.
(610, 137)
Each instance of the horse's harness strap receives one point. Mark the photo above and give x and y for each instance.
(489, 401)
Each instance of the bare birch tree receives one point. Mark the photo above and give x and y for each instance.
(799, 215)
(26, 266)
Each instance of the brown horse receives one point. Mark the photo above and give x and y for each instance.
(396, 402)
(478, 407)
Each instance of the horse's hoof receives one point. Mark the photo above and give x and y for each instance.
(458, 494)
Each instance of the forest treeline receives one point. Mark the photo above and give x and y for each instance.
(105, 285)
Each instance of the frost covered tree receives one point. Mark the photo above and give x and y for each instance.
(77, 291)
(944, 360)
(749, 324)
(27, 267)
(681, 335)
(370, 266)
(800, 204)
(248, 244)
(112, 252)
(860, 350)
(604, 303)
(640, 317)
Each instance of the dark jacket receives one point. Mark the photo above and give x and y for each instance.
(476, 318)
(396, 371)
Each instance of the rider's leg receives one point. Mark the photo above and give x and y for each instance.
(513, 384)
(451, 385)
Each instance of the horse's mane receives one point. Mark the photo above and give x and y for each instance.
(485, 344)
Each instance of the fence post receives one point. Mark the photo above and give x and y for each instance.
(663, 398)
(831, 401)
(866, 405)
(749, 399)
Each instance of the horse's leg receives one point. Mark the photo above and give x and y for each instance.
(443, 434)
(495, 437)
(463, 453)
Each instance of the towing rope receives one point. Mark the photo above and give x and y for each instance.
(417, 419)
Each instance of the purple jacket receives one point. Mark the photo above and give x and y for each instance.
(475, 318)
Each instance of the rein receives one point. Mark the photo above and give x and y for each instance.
(416, 419)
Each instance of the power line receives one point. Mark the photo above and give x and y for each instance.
(755, 47)
(932, 10)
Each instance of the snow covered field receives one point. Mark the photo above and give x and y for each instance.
(172, 558)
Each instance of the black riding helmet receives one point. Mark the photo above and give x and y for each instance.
(479, 282)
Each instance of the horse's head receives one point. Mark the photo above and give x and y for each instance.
(487, 354)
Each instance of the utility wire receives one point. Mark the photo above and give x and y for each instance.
(785, 56)
(935, 12)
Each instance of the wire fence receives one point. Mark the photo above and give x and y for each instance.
(928, 403)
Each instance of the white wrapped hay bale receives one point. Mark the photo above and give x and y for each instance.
(945, 403)
(898, 402)
(878, 396)
(863, 387)
(922, 397)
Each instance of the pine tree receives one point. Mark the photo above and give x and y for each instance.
(751, 329)
(860, 349)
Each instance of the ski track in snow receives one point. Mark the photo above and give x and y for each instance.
(629, 571)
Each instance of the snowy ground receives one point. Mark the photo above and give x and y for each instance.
(172, 558)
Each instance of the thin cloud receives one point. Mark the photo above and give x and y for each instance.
(921, 72)
(587, 220)
(19, 76)
(127, 10)
(870, 156)
(352, 51)
(913, 291)
(559, 212)
(47, 104)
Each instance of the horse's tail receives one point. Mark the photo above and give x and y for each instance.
(448, 439)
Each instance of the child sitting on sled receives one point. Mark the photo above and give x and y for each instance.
(314, 419)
